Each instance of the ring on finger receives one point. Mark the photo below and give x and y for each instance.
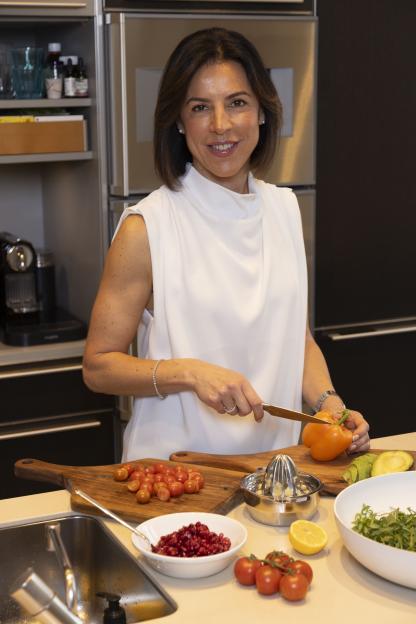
(231, 410)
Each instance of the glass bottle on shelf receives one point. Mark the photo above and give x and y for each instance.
(54, 52)
(69, 80)
(53, 80)
(81, 80)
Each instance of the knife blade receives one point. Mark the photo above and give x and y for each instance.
(283, 412)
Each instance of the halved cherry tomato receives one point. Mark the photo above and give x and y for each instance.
(133, 486)
(120, 474)
(143, 496)
(163, 493)
(245, 570)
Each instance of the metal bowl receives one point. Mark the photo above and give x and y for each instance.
(281, 510)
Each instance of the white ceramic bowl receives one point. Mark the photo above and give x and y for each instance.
(190, 567)
(381, 493)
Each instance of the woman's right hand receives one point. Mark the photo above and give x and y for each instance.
(225, 390)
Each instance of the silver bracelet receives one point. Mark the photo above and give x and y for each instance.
(323, 398)
(159, 394)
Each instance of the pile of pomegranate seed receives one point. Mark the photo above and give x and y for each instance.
(194, 540)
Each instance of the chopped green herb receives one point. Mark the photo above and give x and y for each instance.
(395, 528)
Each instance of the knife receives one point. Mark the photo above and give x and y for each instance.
(283, 412)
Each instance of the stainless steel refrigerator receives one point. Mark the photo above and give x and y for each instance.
(138, 44)
(366, 207)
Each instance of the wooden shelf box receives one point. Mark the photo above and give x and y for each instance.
(43, 138)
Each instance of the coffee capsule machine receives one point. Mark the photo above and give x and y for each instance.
(28, 311)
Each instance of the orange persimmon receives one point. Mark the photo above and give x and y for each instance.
(327, 441)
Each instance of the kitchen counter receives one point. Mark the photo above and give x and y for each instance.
(342, 590)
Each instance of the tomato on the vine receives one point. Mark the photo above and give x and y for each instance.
(268, 580)
(245, 570)
(302, 567)
(279, 557)
(294, 586)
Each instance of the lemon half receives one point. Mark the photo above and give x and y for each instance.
(307, 537)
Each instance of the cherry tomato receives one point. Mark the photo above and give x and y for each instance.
(136, 475)
(279, 557)
(129, 468)
(169, 470)
(159, 467)
(294, 586)
(197, 476)
(245, 570)
(163, 493)
(302, 567)
(143, 496)
(133, 486)
(191, 487)
(169, 478)
(181, 476)
(268, 580)
(150, 470)
(120, 474)
(176, 489)
(147, 485)
(159, 477)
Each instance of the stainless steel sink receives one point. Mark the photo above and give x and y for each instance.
(100, 564)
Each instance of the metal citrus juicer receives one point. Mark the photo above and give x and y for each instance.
(279, 494)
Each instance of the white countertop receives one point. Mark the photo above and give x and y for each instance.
(342, 590)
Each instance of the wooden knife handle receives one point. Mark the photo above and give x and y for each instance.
(38, 470)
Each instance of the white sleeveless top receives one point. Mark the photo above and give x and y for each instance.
(230, 288)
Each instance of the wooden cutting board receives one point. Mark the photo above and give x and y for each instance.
(328, 472)
(220, 493)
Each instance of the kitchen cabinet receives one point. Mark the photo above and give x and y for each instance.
(365, 218)
(55, 201)
(48, 413)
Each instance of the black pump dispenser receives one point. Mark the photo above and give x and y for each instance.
(114, 613)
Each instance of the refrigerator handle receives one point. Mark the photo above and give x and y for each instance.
(373, 333)
(116, 56)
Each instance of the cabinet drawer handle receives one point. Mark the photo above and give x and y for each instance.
(42, 5)
(40, 371)
(36, 432)
(372, 334)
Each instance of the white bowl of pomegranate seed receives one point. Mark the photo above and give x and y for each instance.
(190, 544)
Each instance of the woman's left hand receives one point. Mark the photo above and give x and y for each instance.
(359, 427)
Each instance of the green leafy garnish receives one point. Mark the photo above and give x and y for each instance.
(395, 528)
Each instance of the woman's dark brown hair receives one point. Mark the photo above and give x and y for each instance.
(201, 48)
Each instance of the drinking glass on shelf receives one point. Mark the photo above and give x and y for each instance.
(27, 72)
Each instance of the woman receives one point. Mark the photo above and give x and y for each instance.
(211, 268)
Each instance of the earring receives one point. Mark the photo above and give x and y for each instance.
(181, 130)
(262, 122)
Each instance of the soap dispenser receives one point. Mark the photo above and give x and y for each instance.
(114, 613)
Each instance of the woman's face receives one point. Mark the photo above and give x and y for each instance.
(220, 119)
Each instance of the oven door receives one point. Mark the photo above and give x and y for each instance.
(135, 65)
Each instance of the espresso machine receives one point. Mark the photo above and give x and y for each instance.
(28, 311)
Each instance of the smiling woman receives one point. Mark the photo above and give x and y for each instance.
(220, 120)
(212, 269)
